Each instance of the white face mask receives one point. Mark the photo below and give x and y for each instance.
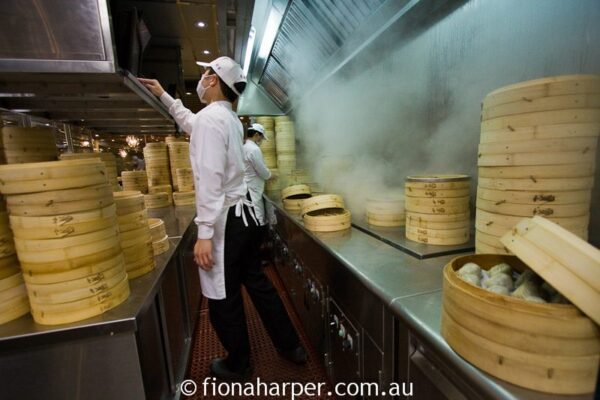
(201, 90)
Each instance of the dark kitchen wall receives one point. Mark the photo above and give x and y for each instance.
(409, 103)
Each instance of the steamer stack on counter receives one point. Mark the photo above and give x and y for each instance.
(325, 213)
(25, 145)
(166, 189)
(66, 237)
(179, 157)
(13, 294)
(135, 181)
(437, 209)
(285, 139)
(136, 239)
(268, 146)
(294, 196)
(109, 160)
(184, 198)
(185, 179)
(157, 164)
(386, 210)
(157, 200)
(160, 240)
(537, 156)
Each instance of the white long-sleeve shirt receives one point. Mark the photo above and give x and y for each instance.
(255, 164)
(217, 157)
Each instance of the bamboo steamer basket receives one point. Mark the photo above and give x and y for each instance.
(449, 241)
(483, 248)
(539, 145)
(558, 131)
(293, 205)
(496, 229)
(528, 210)
(328, 220)
(143, 262)
(35, 245)
(385, 220)
(161, 246)
(59, 221)
(386, 210)
(135, 180)
(437, 193)
(185, 179)
(24, 145)
(322, 202)
(184, 198)
(586, 155)
(534, 91)
(128, 199)
(60, 196)
(173, 139)
(135, 237)
(444, 210)
(269, 144)
(416, 202)
(157, 164)
(157, 200)
(7, 245)
(14, 308)
(508, 221)
(137, 252)
(565, 116)
(109, 160)
(61, 208)
(436, 218)
(296, 192)
(565, 261)
(106, 301)
(270, 160)
(11, 281)
(439, 233)
(545, 347)
(179, 157)
(137, 219)
(556, 184)
(439, 182)
(50, 275)
(20, 135)
(539, 171)
(10, 293)
(168, 189)
(286, 162)
(136, 273)
(157, 229)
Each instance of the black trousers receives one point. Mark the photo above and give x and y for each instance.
(243, 267)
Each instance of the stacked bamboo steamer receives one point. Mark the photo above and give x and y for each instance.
(168, 189)
(134, 181)
(157, 200)
(268, 147)
(66, 237)
(285, 140)
(25, 145)
(293, 197)
(297, 177)
(108, 159)
(160, 240)
(325, 213)
(185, 179)
(157, 164)
(179, 157)
(13, 294)
(274, 185)
(437, 209)
(386, 210)
(136, 239)
(537, 156)
(187, 198)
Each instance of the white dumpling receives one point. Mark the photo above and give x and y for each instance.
(527, 289)
(471, 278)
(499, 279)
(470, 269)
(499, 289)
(502, 268)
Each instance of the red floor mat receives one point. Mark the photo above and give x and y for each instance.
(266, 362)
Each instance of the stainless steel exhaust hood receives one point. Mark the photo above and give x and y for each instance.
(57, 60)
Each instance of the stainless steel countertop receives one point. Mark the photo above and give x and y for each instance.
(24, 332)
(412, 288)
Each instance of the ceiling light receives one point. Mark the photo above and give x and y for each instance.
(188, 93)
(200, 24)
(17, 94)
(203, 64)
(249, 48)
(112, 140)
(268, 38)
(205, 52)
(123, 153)
(96, 135)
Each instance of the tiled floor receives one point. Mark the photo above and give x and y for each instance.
(265, 360)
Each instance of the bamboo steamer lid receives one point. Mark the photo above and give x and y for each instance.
(550, 103)
(565, 261)
(587, 115)
(529, 210)
(557, 131)
(539, 146)
(544, 347)
(455, 181)
(294, 205)
(539, 171)
(110, 300)
(542, 88)
(437, 218)
(322, 202)
(184, 198)
(69, 253)
(439, 233)
(157, 200)
(81, 293)
(527, 159)
(330, 220)
(295, 192)
(57, 273)
(437, 193)
(157, 228)
(61, 208)
(453, 241)
(161, 246)
(551, 184)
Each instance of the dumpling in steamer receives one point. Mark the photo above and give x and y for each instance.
(471, 278)
(502, 268)
(499, 279)
(470, 269)
(499, 289)
(527, 289)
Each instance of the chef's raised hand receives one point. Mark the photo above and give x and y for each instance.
(203, 254)
(153, 85)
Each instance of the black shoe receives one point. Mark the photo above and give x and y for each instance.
(297, 355)
(220, 370)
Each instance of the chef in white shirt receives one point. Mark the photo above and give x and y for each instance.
(226, 250)
(255, 171)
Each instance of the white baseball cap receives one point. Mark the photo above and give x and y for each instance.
(230, 72)
(260, 129)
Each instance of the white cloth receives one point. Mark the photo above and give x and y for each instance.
(255, 175)
(217, 158)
